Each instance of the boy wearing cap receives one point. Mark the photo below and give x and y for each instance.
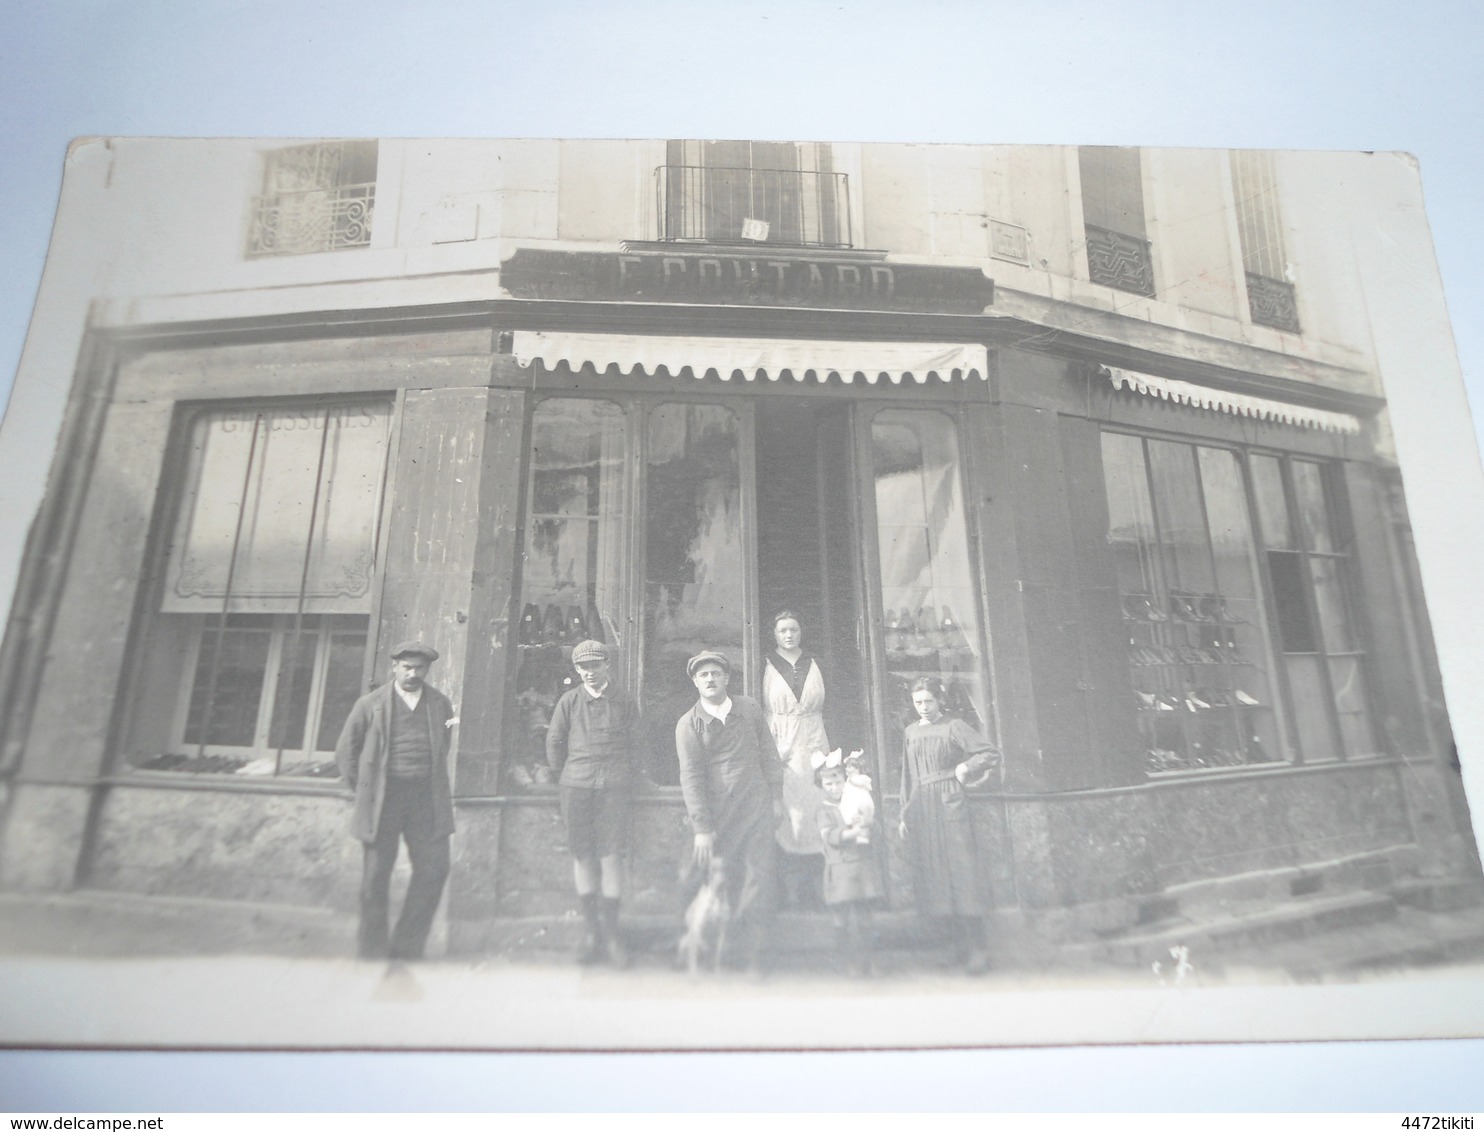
(393, 752)
(732, 783)
(590, 744)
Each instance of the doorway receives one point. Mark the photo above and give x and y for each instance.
(809, 548)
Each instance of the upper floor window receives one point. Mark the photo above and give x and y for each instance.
(738, 192)
(1118, 252)
(1270, 294)
(316, 198)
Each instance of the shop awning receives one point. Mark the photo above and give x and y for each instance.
(1224, 401)
(753, 358)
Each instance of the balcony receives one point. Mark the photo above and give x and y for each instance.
(747, 206)
(1121, 261)
(312, 220)
(1273, 302)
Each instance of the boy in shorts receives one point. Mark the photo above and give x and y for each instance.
(590, 745)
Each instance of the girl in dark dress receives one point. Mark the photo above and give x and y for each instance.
(940, 756)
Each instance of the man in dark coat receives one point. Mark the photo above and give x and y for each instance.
(732, 782)
(393, 751)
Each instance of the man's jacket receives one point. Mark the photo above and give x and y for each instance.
(362, 757)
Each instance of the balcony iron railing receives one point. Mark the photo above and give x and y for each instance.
(1121, 261)
(789, 207)
(1273, 302)
(313, 220)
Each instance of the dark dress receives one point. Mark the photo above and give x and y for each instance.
(946, 873)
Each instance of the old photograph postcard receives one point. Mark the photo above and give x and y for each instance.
(686, 594)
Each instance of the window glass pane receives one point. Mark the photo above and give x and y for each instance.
(1112, 188)
(571, 574)
(291, 696)
(1308, 489)
(229, 703)
(1130, 513)
(695, 574)
(1355, 722)
(1182, 522)
(1272, 507)
(342, 685)
(281, 500)
(1236, 630)
(1291, 601)
(1199, 658)
(1334, 621)
(1311, 708)
(927, 588)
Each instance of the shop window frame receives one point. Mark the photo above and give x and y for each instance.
(893, 718)
(1293, 755)
(1286, 754)
(637, 406)
(1341, 531)
(295, 769)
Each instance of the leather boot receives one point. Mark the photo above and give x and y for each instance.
(613, 943)
(591, 948)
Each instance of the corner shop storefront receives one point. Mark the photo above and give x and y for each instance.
(1153, 606)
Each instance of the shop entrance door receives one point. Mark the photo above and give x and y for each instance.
(809, 547)
(809, 562)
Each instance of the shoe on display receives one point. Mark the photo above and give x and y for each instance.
(530, 624)
(595, 624)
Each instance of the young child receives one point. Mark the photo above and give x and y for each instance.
(590, 744)
(851, 878)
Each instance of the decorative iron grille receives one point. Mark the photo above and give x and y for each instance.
(709, 204)
(1121, 261)
(315, 220)
(1273, 302)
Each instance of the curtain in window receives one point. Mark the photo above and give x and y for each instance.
(928, 596)
(281, 511)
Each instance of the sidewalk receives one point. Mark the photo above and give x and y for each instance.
(1304, 941)
(94, 969)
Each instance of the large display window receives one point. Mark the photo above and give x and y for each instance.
(635, 535)
(258, 646)
(1212, 598)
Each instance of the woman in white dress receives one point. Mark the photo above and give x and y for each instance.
(793, 702)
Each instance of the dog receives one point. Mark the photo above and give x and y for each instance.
(706, 921)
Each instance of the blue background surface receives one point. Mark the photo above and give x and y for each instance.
(1351, 75)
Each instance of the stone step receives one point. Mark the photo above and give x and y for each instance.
(1249, 928)
(1414, 938)
(1439, 894)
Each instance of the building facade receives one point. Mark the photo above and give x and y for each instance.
(1097, 436)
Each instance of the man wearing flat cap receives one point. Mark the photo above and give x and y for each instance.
(732, 782)
(393, 752)
(590, 744)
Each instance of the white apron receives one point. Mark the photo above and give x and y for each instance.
(797, 725)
